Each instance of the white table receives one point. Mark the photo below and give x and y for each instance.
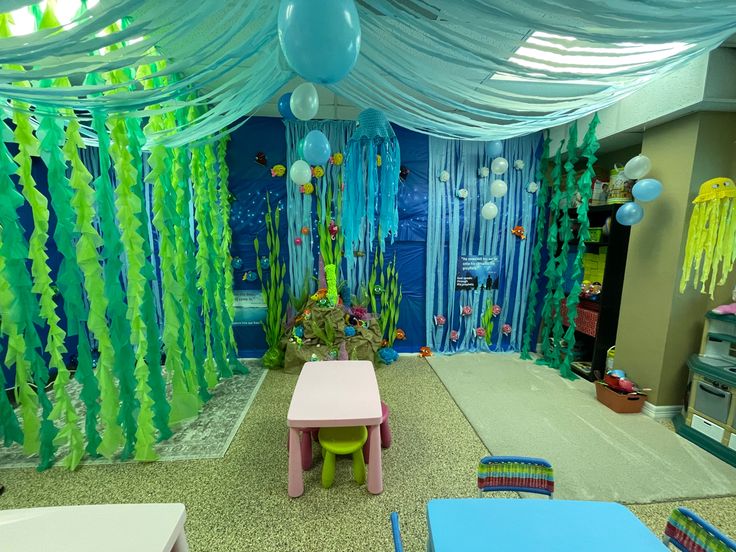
(107, 527)
(336, 393)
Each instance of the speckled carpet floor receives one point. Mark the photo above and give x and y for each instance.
(521, 408)
(239, 502)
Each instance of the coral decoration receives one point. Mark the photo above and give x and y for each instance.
(400, 334)
(480, 332)
(278, 170)
(387, 355)
(454, 336)
(305, 230)
(467, 310)
(318, 172)
(297, 241)
(506, 329)
(261, 158)
(360, 312)
(439, 320)
(349, 331)
(336, 159)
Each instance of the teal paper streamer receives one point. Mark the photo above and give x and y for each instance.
(120, 331)
(585, 187)
(542, 220)
(550, 272)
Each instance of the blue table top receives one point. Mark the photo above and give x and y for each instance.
(483, 524)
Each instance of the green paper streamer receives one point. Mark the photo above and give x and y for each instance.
(120, 332)
(199, 193)
(128, 205)
(226, 259)
(216, 281)
(562, 259)
(542, 217)
(550, 272)
(46, 306)
(187, 267)
(585, 186)
(184, 401)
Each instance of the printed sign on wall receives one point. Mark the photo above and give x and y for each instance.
(250, 310)
(477, 272)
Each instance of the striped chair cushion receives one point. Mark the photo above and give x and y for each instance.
(516, 473)
(692, 534)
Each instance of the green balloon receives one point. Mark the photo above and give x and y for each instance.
(300, 149)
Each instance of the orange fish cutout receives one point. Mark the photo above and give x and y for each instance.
(519, 232)
(400, 334)
(425, 351)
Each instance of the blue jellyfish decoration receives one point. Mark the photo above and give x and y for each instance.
(372, 165)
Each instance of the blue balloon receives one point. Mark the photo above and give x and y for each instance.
(647, 189)
(316, 148)
(629, 213)
(285, 107)
(495, 149)
(320, 39)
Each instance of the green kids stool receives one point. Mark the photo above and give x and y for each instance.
(342, 440)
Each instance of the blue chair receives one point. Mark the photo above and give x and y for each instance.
(398, 547)
(688, 532)
(516, 473)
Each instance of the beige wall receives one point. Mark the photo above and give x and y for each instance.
(659, 327)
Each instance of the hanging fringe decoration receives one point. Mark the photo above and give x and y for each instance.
(370, 189)
(711, 236)
(542, 220)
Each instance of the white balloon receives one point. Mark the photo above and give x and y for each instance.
(300, 172)
(499, 165)
(304, 101)
(489, 211)
(637, 167)
(498, 188)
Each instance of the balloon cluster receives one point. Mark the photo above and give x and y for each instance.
(321, 43)
(499, 188)
(645, 190)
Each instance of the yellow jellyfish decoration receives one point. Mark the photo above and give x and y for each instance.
(711, 237)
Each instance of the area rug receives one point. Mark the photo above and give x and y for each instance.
(520, 408)
(207, 436)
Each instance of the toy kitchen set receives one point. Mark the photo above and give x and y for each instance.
(710, 419)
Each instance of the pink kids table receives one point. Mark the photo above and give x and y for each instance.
(335, 394)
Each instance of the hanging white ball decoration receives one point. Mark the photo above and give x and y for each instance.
(637, 167)
(304, 101)
(499, 165)
(300, 172)
(483, 172)
(532, 187)
(498, 188)
(519, 164)
(462, 193)
(489, 211)
(444, 176)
